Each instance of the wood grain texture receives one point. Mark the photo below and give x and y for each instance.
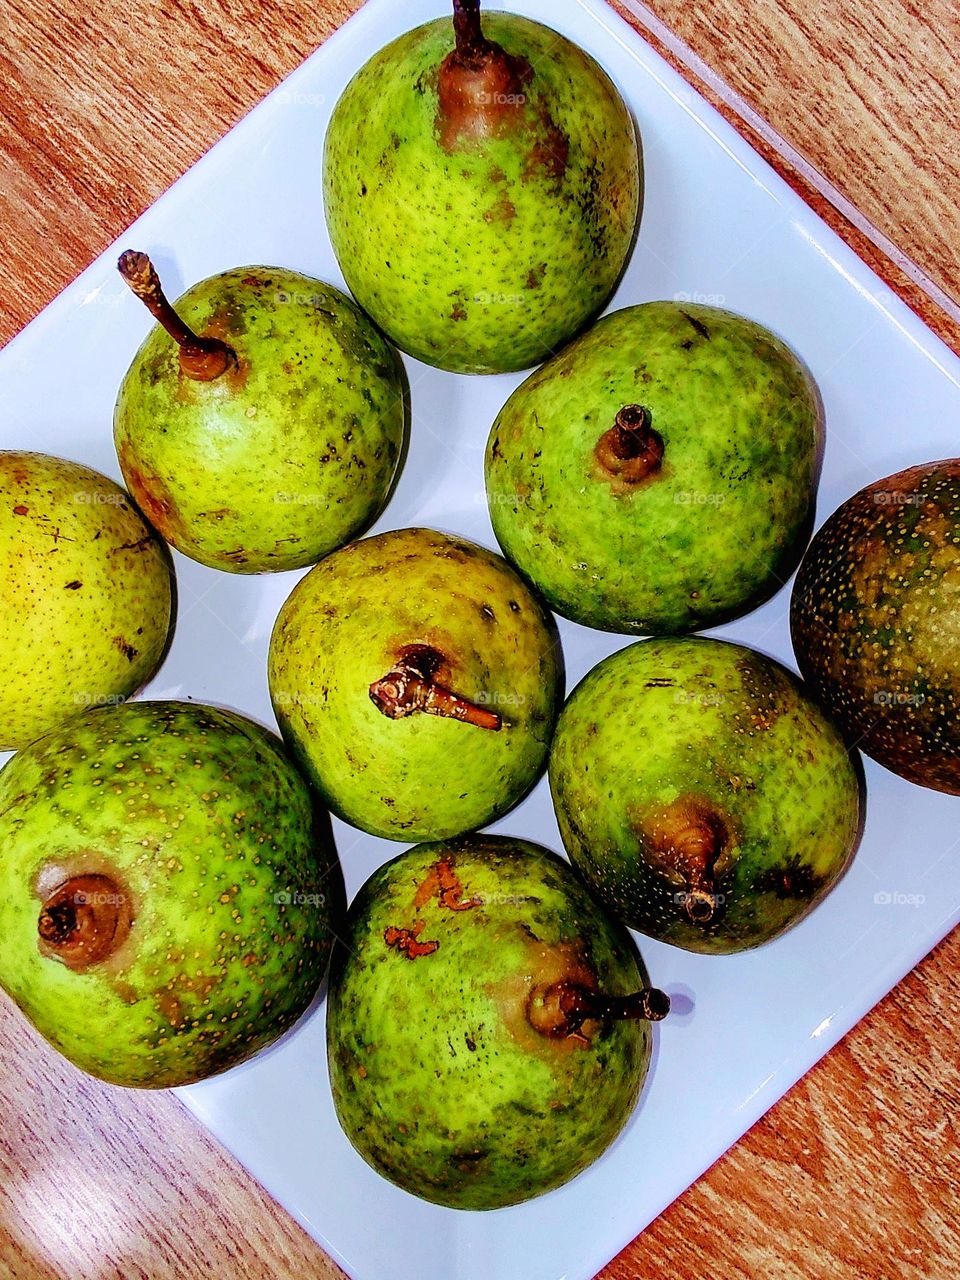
(866, 90)
(854, 1174)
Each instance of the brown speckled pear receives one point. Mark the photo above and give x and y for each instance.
(86, 594)
(163, 891)
(875, 618)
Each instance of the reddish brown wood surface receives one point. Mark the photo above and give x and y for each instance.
(855, 1173)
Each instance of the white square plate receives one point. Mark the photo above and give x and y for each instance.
(720, 226)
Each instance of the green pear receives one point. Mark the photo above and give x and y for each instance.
(86, 589)
(417, 680)
(482, 185)
(658, 475)
(262, 421)
(875, 618)
(702, 794)
(163, 886)
(486, 1023)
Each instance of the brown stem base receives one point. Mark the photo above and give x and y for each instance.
(84, 921)
(631, 451)
(411, 686)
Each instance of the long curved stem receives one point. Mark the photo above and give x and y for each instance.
(202, 359)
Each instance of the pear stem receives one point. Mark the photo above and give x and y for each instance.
(630, 450)
(563, 1008)
(410, 686)
(84, 921)
(202, 359)
(472, 44)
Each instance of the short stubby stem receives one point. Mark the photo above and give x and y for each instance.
(202, 359)
(410, 686)
(84, 921)
(631, 451)
(563, 1008)
(480, 87)
(687, 839)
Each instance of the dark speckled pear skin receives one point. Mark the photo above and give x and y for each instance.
(288, 455)
(439, 1080)
(344, 627)
(486, 255)
(701, 539)
(687, 771)
(200, 827)
(875, 618)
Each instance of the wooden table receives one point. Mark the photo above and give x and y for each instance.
(855, 1172)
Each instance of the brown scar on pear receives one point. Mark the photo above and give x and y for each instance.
(688, 842)
(84, 920)
(444, 883)
(406, 941)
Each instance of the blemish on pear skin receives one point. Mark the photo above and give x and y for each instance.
(406, 941)
(444, 882)
(127, 649)
(21, 511)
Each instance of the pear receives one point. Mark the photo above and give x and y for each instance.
(658, 475)
(86, 589)
(262, 421)
(875, 618)
(417, 680)
(486, 1024)
(703, 795)
(163, 891)
(482, 184)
